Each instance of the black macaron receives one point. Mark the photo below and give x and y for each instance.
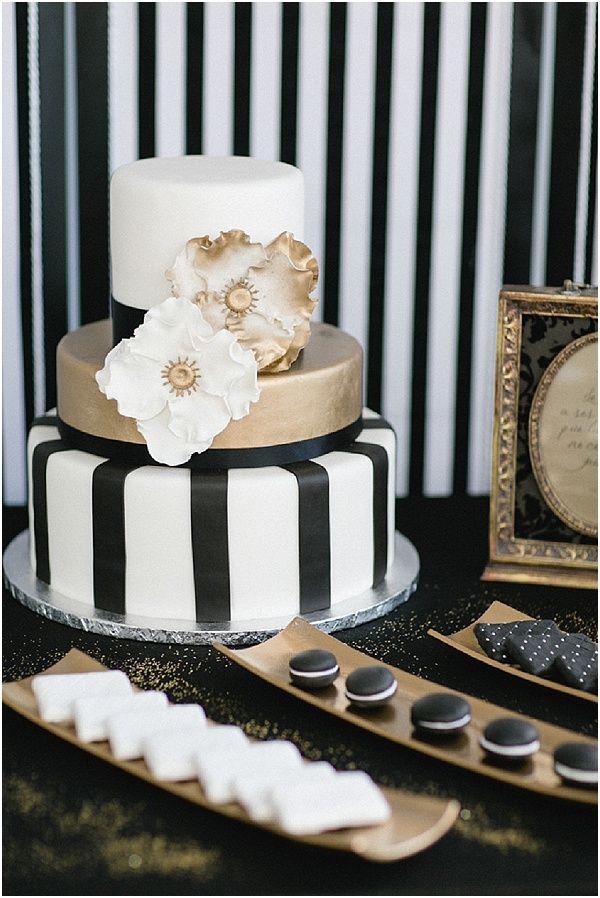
(314, 669)
(577, 763)
(510, 740)
(440, 714)
(370, 687)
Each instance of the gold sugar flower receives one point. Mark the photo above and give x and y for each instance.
(259, 294)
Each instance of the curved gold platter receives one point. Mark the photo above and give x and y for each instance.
(417, 821)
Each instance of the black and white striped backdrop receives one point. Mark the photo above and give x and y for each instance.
(446, 148)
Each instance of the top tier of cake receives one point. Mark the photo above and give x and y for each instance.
(157, 205)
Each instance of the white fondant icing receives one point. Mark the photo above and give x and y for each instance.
(351, 523)
(263, 532)
(41, 433)
(262, 512)
(386, 438)
(158, 543)
(159, 204)
(70, 534)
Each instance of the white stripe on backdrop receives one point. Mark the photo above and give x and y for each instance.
(490, 239)
(358, 303)
(359, 102)
(444, 283)
(312, 120)
(13, 407)
(402, 220)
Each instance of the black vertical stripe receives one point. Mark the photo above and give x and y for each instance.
(54, 224)
(333, 188)
(593, 184)
(108, 525)
(379, 459)
(39, 467)
(22, 32)
(469, 242)
(241, 87)
(566, 130)
(146, 79)
(194, 76)
(527, 32)
(290, 37)
(431, 32)
(210, 545)
(313, 535)
(92, 111)
(381, 140)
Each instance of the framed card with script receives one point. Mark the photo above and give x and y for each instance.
(544, 496)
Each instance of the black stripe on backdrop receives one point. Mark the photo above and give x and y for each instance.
(333, 188)
(22, 32)
(381, 140)
(194, 76)
(593, 185)
(469, 241)
(290, 37)
(241, 87)
(146, 79)
(54, 224)
(92, 111)
(566, 132)
(524, 89)
(431, 33)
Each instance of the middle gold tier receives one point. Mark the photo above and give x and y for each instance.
(319, 395)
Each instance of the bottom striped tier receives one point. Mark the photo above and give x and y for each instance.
(241, 544)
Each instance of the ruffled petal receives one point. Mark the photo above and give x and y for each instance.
(299, 341)
(282, 290)
(213, 310)
(227, 259)
(165, 446)
(298, 253)
(168, 330)
(245, 389)
(133, 381)
(216, 363)
(268, 340)
(186, 282)
(199, 417)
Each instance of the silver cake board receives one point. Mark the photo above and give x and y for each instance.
(22, 583)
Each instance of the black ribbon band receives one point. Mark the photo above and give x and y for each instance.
(213, 459)
(125, 319)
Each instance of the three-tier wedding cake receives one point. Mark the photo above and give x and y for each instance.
(209, 458)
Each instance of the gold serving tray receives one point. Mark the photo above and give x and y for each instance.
(465, 641)
(417, 821)
(270, 661)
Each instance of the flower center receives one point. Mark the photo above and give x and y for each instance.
(239, 297)
(181, 377)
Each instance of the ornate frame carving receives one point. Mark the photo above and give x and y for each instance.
(511, 557)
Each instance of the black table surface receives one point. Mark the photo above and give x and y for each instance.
(73, 825)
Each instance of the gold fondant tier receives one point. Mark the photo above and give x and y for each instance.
(320, 394)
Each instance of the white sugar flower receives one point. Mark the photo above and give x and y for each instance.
(181, 382)
(260, 294)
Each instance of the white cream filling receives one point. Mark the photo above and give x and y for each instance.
(309, 674)
(444, 724)
(577, 776)
(376, 697)
(510, 751)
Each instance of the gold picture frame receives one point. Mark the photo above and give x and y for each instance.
(528, 542)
